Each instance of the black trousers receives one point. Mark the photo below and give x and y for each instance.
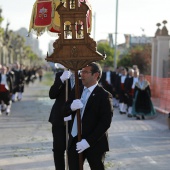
(130, 100)
(95, 159)
(59, 146)
(5, 97)
(18, 88)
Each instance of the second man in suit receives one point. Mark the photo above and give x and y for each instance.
(58, 92)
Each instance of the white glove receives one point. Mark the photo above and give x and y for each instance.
(82, 145)
(76, 104)
(67, 118)
(65, 76)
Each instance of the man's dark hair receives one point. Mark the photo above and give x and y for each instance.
(96, 68)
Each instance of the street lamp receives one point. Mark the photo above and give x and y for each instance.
(115, 57)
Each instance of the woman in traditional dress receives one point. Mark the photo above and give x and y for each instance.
(142, 104)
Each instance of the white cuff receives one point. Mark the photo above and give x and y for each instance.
(67, 118)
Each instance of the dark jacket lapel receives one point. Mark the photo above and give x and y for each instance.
(92, 97)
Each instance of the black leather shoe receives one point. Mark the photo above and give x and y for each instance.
(3, 109)
(120, 112)
(143, 117)
(129, 115)
(137, 118)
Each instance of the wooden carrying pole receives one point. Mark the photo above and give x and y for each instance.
(77, 96)
(66, 97)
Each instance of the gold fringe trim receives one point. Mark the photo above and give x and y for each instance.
(39, 30)
(55, 19)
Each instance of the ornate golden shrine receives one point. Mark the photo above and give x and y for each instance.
(74, 48)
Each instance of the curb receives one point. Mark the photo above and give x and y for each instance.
(164, 112)
(161, 110)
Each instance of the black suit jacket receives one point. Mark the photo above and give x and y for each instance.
(128, 84)
(58, 92)
(19, 77)
(105, 84)
(96, 119)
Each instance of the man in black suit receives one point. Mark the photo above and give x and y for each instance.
(96, 115)
(108, 79)
(122, 97)
(117, 86)
(58, 92)
(128, 87)
(18, 82)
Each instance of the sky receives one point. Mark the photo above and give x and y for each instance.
(134, 17)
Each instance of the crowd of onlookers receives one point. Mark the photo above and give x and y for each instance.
(13, 79)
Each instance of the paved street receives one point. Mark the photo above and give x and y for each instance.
(26, 141)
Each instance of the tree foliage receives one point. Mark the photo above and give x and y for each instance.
(30, 54)
(140, 56)
(16, 43)
(105, 48)
(125, 61)
(1, 29)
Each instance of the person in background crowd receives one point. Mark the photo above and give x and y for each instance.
(129, 88)
(18, 82)
(40, 73)
(117, 86)
(2, 104)
(135, 67)
(96, 114)
(23, 72)
(108, 79)
(33, 74)
(129, 91)
(28, 74)
(58, 92)
(115, 99)
(122, 96)
(142, 105)
(5, 89)
(136, 77)
(10, 72)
